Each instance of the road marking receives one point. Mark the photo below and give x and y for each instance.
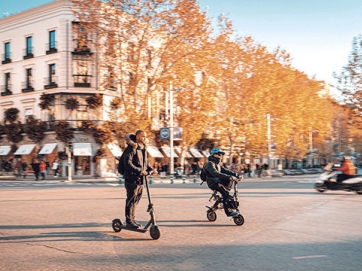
(309, 257)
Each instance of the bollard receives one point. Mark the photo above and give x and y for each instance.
(195, 178)
(171, 178)
(120, 181)
(184, 178)
(150, 179)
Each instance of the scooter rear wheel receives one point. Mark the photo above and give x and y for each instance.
(155, 232)
(211, 215)
(239, 220)
(116, 225)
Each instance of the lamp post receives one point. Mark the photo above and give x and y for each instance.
(171, 132)
(269, 137)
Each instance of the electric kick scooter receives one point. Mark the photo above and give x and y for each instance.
(155, 233)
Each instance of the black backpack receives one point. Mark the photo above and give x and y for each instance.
(203, 174)
(121, 162)
(121, 166)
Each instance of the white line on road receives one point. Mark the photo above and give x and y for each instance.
(309, 257)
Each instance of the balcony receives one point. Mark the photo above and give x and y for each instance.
(51, 82)
(6, 58)
(6, 90)
(52, 48)
(28, 53)
(82, 80)
(27, 86)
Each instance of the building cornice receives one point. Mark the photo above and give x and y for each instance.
(40, 13)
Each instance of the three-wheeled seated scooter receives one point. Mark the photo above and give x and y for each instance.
(216, 196)
(151, 226)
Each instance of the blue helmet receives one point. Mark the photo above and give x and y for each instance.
(216, 150)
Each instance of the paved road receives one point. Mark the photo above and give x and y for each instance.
(288, 226)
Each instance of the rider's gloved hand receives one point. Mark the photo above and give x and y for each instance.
(234, 179)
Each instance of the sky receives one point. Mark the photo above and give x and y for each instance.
(316, 33)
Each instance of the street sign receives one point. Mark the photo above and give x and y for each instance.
(165, 133)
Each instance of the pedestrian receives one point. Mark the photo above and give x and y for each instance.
(24, 167)
(55, 167)
(18, 167)
(35, 166)
(137, 167)
(42, 168)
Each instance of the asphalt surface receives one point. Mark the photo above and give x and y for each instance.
(54, 225)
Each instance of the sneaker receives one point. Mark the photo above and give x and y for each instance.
(132, 225)
(234, 213)
(136, 223)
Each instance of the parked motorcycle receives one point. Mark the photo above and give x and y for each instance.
(328, 181)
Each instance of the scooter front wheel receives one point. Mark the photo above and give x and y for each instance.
(116, 225)
(239, 220)
(155, 232)
(320, 187)
(211, 216)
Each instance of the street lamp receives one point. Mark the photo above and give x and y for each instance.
(269, 136)
(171, 131)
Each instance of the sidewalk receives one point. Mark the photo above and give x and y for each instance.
(154, 179)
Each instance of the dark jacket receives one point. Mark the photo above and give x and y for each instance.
(135, 159)
(216, 172)
(35, 167)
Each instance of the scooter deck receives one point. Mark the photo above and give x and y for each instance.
(124, 227)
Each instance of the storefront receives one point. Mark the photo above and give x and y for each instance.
(27, 152)
(50, 152)
(4, 161)
(109, 165)
(82, 153)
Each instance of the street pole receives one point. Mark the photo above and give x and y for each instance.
(69, 164)
(171, 135)
(269, 139)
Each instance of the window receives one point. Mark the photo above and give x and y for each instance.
(52, 48)
(51, 80)
(29, 48)
(6, 88)
(29, 78)
(52, 39)
(6, 58)
(7, 82)
(51, 73)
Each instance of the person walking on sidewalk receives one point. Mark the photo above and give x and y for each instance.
(35, 166)
(136, 166)
(42, 168)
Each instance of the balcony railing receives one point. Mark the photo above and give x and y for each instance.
(28, 86)
(51, 82)
(82, 80)
(51, 48)
(28, 53)
(6, 90)
(6, 58)
(81, 48)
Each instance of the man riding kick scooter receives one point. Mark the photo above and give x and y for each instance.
(221, 179)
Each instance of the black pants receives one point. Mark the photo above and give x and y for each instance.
(224, 187)
(342, 177)
(134, 194)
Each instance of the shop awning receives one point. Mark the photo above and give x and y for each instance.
(25, 149)
(195, 153)
(4, 150)
(154, 152)
(115, 150)
(167, 151)
(82, 149)
(48, 148)
(187, 154)
(206, 153)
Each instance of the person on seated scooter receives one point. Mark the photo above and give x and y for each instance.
(348, 169)
(136, 166)
(220, 179)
